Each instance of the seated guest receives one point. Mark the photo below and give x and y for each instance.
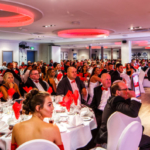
(51, 63)
(132, 66)
(40, 72)
(116, 74)
(58, 69)
(34, 81)
(41, 106)
(17, 78)
(3, 66)
(15, 67)
(148, 71)
(108, 70)
(44, 68)
(72, 83)
(129, 70)
(50, 80)
(124, 101)
(8, 84)
(26, 74)
(93, 82)
(101, 95)
(84, 71)
(67, 65)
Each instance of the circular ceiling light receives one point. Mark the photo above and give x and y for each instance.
(82, 33)
(20, 17)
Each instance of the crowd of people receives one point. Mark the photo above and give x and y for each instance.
(98, 82)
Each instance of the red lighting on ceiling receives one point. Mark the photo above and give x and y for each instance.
(140, 42)
(105, 47)
(82, 33)
(118, 43)
(23, 17)
(147, 47)
(94, 47)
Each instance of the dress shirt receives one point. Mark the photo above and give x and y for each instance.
(104, 98)
(38, 85)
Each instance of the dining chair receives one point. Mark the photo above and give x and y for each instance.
(38, 144)
(116, 123)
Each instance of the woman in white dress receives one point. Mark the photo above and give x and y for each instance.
(93, 82)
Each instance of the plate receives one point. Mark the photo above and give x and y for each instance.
(86, 118)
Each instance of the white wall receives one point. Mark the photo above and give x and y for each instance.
(8, 45)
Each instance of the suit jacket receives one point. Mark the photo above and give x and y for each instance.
(30, 83)
(116, 103)
(14, 74)
(115, 76)
(144, 68)
(64, 86)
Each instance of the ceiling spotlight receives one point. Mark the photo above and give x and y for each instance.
(47, 26)
(135, 28)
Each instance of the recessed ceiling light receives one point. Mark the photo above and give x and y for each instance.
(135, 28)
(52, 25)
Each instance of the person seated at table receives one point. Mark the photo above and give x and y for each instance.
(93, 82)
(124, 101)
(108, 70)
(116, 74)
(15, 67)
(84, 70)
(58, 69)
(8, 84)
(38, 68)
(50, 80)
(129, 70)
(40, 105)
(34, 81)
(72, 83)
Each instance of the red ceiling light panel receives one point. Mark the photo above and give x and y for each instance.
(23, 16)
(82, 33)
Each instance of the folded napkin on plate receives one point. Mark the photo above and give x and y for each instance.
(85, 112)
(75, 120)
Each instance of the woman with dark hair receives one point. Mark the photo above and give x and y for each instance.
(93, 82)
(84, 70)
(129, 70)
(40, 105)
(50, 80)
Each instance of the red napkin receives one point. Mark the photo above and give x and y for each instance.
(59, 76)
(66, 102)
(81, 74)
(75, 97)
(0, 72)
(1, 94)
(82, 79)
(16, 71)
(62, 68)
(85, 75)
(11, 92)
(3, 73)
(65, 73)
(136, 67)
(47, 65)
(50, 90)
(69, 93)
(27, 89)
(16, 107)
(52, 67)
(20, 67)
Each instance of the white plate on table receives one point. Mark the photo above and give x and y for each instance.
(86, 118)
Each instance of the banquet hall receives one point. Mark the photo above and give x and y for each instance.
(74, 75)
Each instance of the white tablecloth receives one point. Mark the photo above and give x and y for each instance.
(72, 139)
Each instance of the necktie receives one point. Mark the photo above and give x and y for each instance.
(106, 89)
(73, 81)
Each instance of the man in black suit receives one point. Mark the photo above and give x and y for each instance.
(101, 95)
(124, 101)
(72, 83)
(34, 81)
(109, 70)
(51, 63)
(116, 74)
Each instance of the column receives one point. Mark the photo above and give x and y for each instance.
(90, 52)
(102, 52)
(54, 53)
(111, 53)
(119, 53)
(126, 52)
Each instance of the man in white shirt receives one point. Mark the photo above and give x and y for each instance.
(72, 83)
(101, 95)
(34, 81)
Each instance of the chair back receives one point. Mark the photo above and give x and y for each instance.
(117, 122)
(38, 144)
(130, 137)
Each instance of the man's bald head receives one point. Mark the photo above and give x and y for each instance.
(71, 73)
(106, 80)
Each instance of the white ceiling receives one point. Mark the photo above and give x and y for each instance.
(114, 15)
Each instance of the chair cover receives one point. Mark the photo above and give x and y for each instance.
(141, 78)
(130, 137)
(38, 144)
(127, 78)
